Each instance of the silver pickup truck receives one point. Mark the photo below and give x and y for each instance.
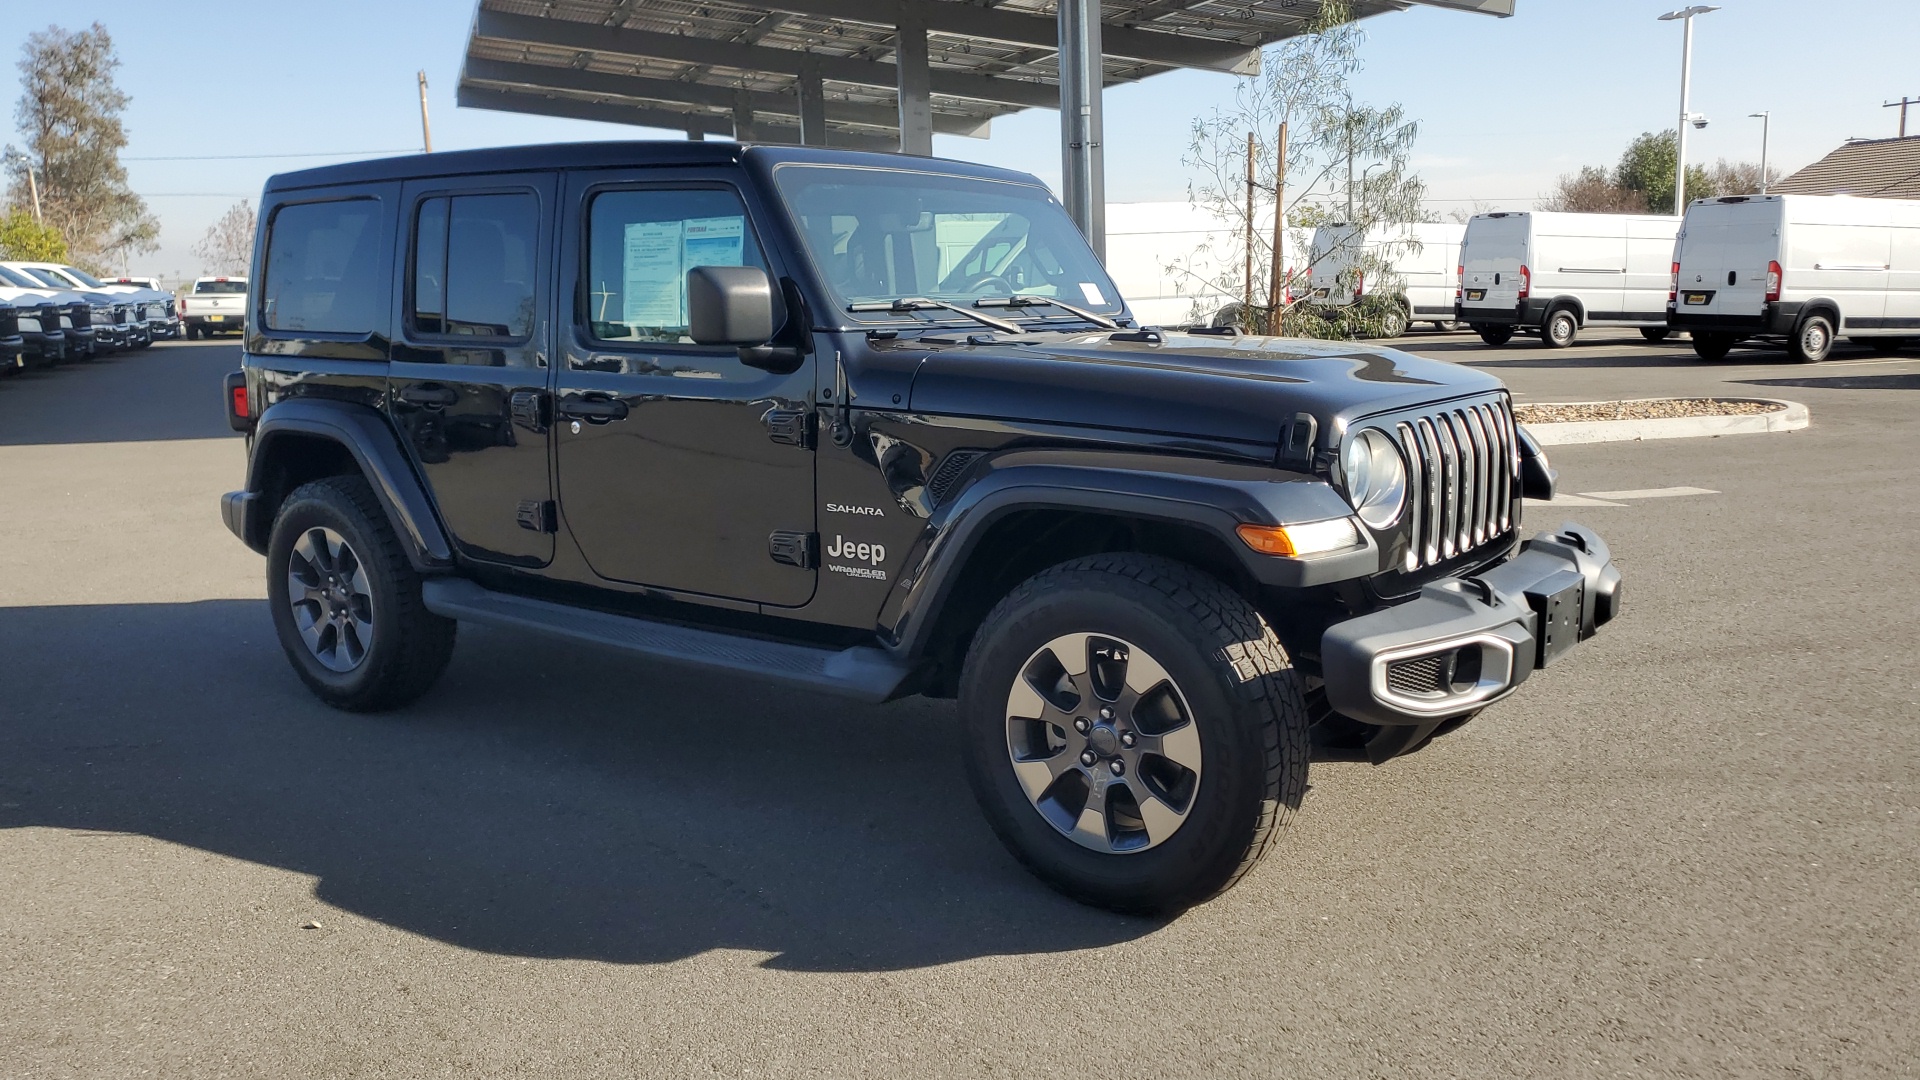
(215, 305)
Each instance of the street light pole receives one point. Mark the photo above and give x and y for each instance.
(1685, 15)
(33, 185)
(1766, 122)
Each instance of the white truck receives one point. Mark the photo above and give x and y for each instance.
(1798, 270)
(1416, 264)
(147, 309)
(1553, 274)
(214, 305)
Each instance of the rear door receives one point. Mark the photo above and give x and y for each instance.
(468, 384)
(1724, 256)
(1495, 247)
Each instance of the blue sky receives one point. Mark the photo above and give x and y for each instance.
(1506, 105)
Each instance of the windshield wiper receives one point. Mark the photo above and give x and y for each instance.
(921, 303)
(1046, 301)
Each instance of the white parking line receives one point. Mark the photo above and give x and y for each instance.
(1571, 500)
(1649, 493)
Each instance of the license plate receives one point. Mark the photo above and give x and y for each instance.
(1697, 298)
(222, 318)
(1320, 294)
(1476, 294)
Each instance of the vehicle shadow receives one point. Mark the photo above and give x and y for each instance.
(541, 802)
(164, 392)
(1909, 381)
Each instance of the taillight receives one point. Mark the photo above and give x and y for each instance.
(1359, 282)
(1673, 284)
(1773, 282)
(239, 410)
(1526, 283)
(1459, 277)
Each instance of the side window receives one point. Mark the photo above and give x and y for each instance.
(640, 245)
(322, 268)
(473, 265)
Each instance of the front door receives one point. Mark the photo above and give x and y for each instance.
(679, 466)
(469, 373)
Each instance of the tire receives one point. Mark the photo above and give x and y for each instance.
(1560, 329)
(1712, 346)
(1812, 340)
(1393, 321)
(401, 646)
(1221, 697)
(1654, 333)
(193, 333)
(1496, 335)
(1446, 326)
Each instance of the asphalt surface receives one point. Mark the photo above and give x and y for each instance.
(1689, 849)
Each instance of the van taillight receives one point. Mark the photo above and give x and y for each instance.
(1359, 282)
(1673, 284)
(1773, 282)
(1526, 283)
(1459, 276)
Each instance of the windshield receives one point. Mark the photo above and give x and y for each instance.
(221, 288)
(83, 277)
(20, 280)
(881, 235)
(45, 279)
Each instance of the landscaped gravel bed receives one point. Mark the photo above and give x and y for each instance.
(1649, 409)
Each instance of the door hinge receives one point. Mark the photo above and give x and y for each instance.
(801, 549)
(539, 515)
(791, 427)
(529, 409)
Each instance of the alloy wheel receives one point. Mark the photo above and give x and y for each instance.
(1103, 743)
(332, 599)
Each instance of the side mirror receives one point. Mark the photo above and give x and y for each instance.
(730, 305)
(1537, 478)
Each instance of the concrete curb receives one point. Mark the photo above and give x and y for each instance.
(1792, 417)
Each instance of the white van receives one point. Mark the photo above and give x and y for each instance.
(1422, 258)
(1798, 269)
(1551, 274)
(1167, 259)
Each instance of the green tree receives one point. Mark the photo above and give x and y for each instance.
(1345, 162)
(1646, 168)
(23, 238)
(70, 113)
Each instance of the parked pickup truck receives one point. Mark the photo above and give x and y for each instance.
(215, 305)
(735, 407)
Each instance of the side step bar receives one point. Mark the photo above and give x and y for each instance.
(863, 671)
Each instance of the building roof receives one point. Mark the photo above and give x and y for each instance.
(1874, 168)
(715, 66)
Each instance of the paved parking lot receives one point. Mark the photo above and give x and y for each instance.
(1691, 849)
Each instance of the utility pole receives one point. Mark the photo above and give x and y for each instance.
(426, 129)
(1766, 121)
(1685, 15)
(33, 185)
(1902, 104)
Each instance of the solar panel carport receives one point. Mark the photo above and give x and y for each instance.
(869, 74)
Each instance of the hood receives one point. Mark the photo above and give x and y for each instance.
(1196, 385)
(35, 297)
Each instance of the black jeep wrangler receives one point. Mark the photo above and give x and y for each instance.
(877, 425)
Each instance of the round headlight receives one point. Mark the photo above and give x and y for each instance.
(1375, 476)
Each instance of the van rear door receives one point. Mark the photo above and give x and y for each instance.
(1493, 252)
(1724, 250)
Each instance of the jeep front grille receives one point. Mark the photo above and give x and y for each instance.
(1462, 463)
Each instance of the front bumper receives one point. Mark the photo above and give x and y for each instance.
(1465, 642)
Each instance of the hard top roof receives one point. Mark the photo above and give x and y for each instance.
(604, 155)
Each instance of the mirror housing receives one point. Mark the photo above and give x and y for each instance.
(1537, 478)
(730, 305)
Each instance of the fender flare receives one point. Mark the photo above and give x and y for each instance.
(365, 434)
(1565, 300)
(1213, 496)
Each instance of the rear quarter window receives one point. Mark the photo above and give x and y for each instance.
(322, 268)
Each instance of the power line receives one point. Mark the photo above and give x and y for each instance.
(261, 157)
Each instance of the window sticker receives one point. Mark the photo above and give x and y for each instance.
(1092, 293)
(713, 242)
(652, 284)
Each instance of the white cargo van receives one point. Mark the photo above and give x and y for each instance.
(1166, 258)
(1798, 270)
(1420, 259)
(1552, 274)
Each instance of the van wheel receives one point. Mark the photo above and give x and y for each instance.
(1712, 346)
(1393, 321)
(1560, 329)
(1654, 333)
(1446, 326)
(346, 602)
(1495, 335)
(1813, 340)
(1133, 730)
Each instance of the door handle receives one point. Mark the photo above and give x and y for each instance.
(430, 395)
(593, 408)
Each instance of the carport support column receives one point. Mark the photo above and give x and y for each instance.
(743, 120)
(813, 106)
(1082, 164)
(910, 60)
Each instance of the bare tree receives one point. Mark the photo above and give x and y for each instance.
(1592, 191)
(70, 112)
(1738, 177)
(1344, 162)
(1464, 214)
(227, 247)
